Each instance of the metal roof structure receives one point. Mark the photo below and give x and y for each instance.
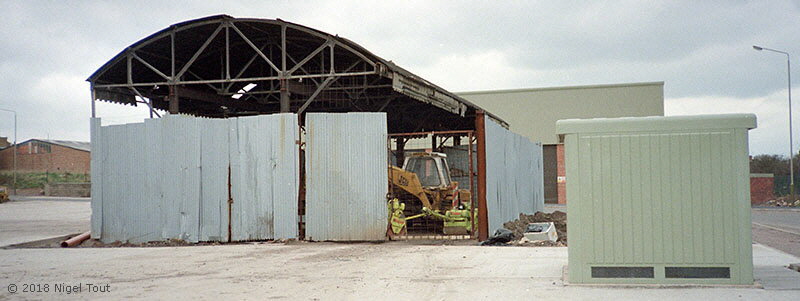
(221, 66)
(78, 145)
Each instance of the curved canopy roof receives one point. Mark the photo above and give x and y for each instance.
(222, 66)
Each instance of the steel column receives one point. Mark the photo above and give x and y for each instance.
(285, 102)
(483, 216)
(91, 87)
(401, 149)
(174, 100)
(471, 185)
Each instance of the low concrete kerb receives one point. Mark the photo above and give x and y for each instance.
(765, 208)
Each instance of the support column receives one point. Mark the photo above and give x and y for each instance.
(483, 214)
(400, 154)
(174, 100)
(93, 101)
(285, 104)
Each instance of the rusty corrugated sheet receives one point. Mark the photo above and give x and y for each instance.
(346, 176)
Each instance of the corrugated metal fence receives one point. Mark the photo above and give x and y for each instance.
(346, 176)
(167, 178)
(514, 175)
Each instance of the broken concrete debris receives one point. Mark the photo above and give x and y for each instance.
(519, 226)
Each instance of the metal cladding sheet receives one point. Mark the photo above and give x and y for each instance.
(167, 178)
(514, 175)
(346, 176)
(97, 192)
(214, 180)
(264, 176)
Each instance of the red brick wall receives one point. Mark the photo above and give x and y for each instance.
(60, 159)
(562, 174)
(761, 189)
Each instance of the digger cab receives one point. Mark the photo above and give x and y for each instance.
(430, 168)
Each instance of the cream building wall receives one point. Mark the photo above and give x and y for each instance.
(533, 112)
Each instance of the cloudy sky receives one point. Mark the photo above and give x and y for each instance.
(702, 51)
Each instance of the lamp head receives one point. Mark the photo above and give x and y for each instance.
(758, 48)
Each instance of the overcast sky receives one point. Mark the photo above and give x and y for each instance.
(700, 49)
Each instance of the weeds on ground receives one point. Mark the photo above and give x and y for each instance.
(38, 179)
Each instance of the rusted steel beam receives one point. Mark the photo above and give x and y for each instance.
(471, 187)
(483, 216)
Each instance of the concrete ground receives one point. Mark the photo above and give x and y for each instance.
(328, 271)
(325, 271)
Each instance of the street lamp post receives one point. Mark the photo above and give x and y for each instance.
(791, 145)
(15, 148)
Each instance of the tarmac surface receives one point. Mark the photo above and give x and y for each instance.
(778, 228)
(321, 271)
(33, 218)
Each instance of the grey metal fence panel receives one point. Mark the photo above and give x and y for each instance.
(246, 152)
(153, 148)
(514, 175)
(181, 177)
(121, 218)
(167, 178)
(264, 177)
(346, 176)
(214, 181)
(286, 175)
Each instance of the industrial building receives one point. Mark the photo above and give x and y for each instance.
(286, 131)
(44, 155)
(533, 113)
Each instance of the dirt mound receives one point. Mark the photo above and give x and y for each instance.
(558, 218)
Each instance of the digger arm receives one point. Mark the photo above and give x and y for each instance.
(428, 211)
(409, 182)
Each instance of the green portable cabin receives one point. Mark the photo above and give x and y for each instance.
(659, 200)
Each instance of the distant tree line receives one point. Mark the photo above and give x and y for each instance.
(774, 164)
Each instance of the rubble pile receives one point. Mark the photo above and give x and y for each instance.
(524, 242)
(518, 226)
(785, 201)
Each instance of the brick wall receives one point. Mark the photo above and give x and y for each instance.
(60, 159)
(761, 188)
(562, 174)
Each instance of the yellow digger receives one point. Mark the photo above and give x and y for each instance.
(3, 194)
(423, 190)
